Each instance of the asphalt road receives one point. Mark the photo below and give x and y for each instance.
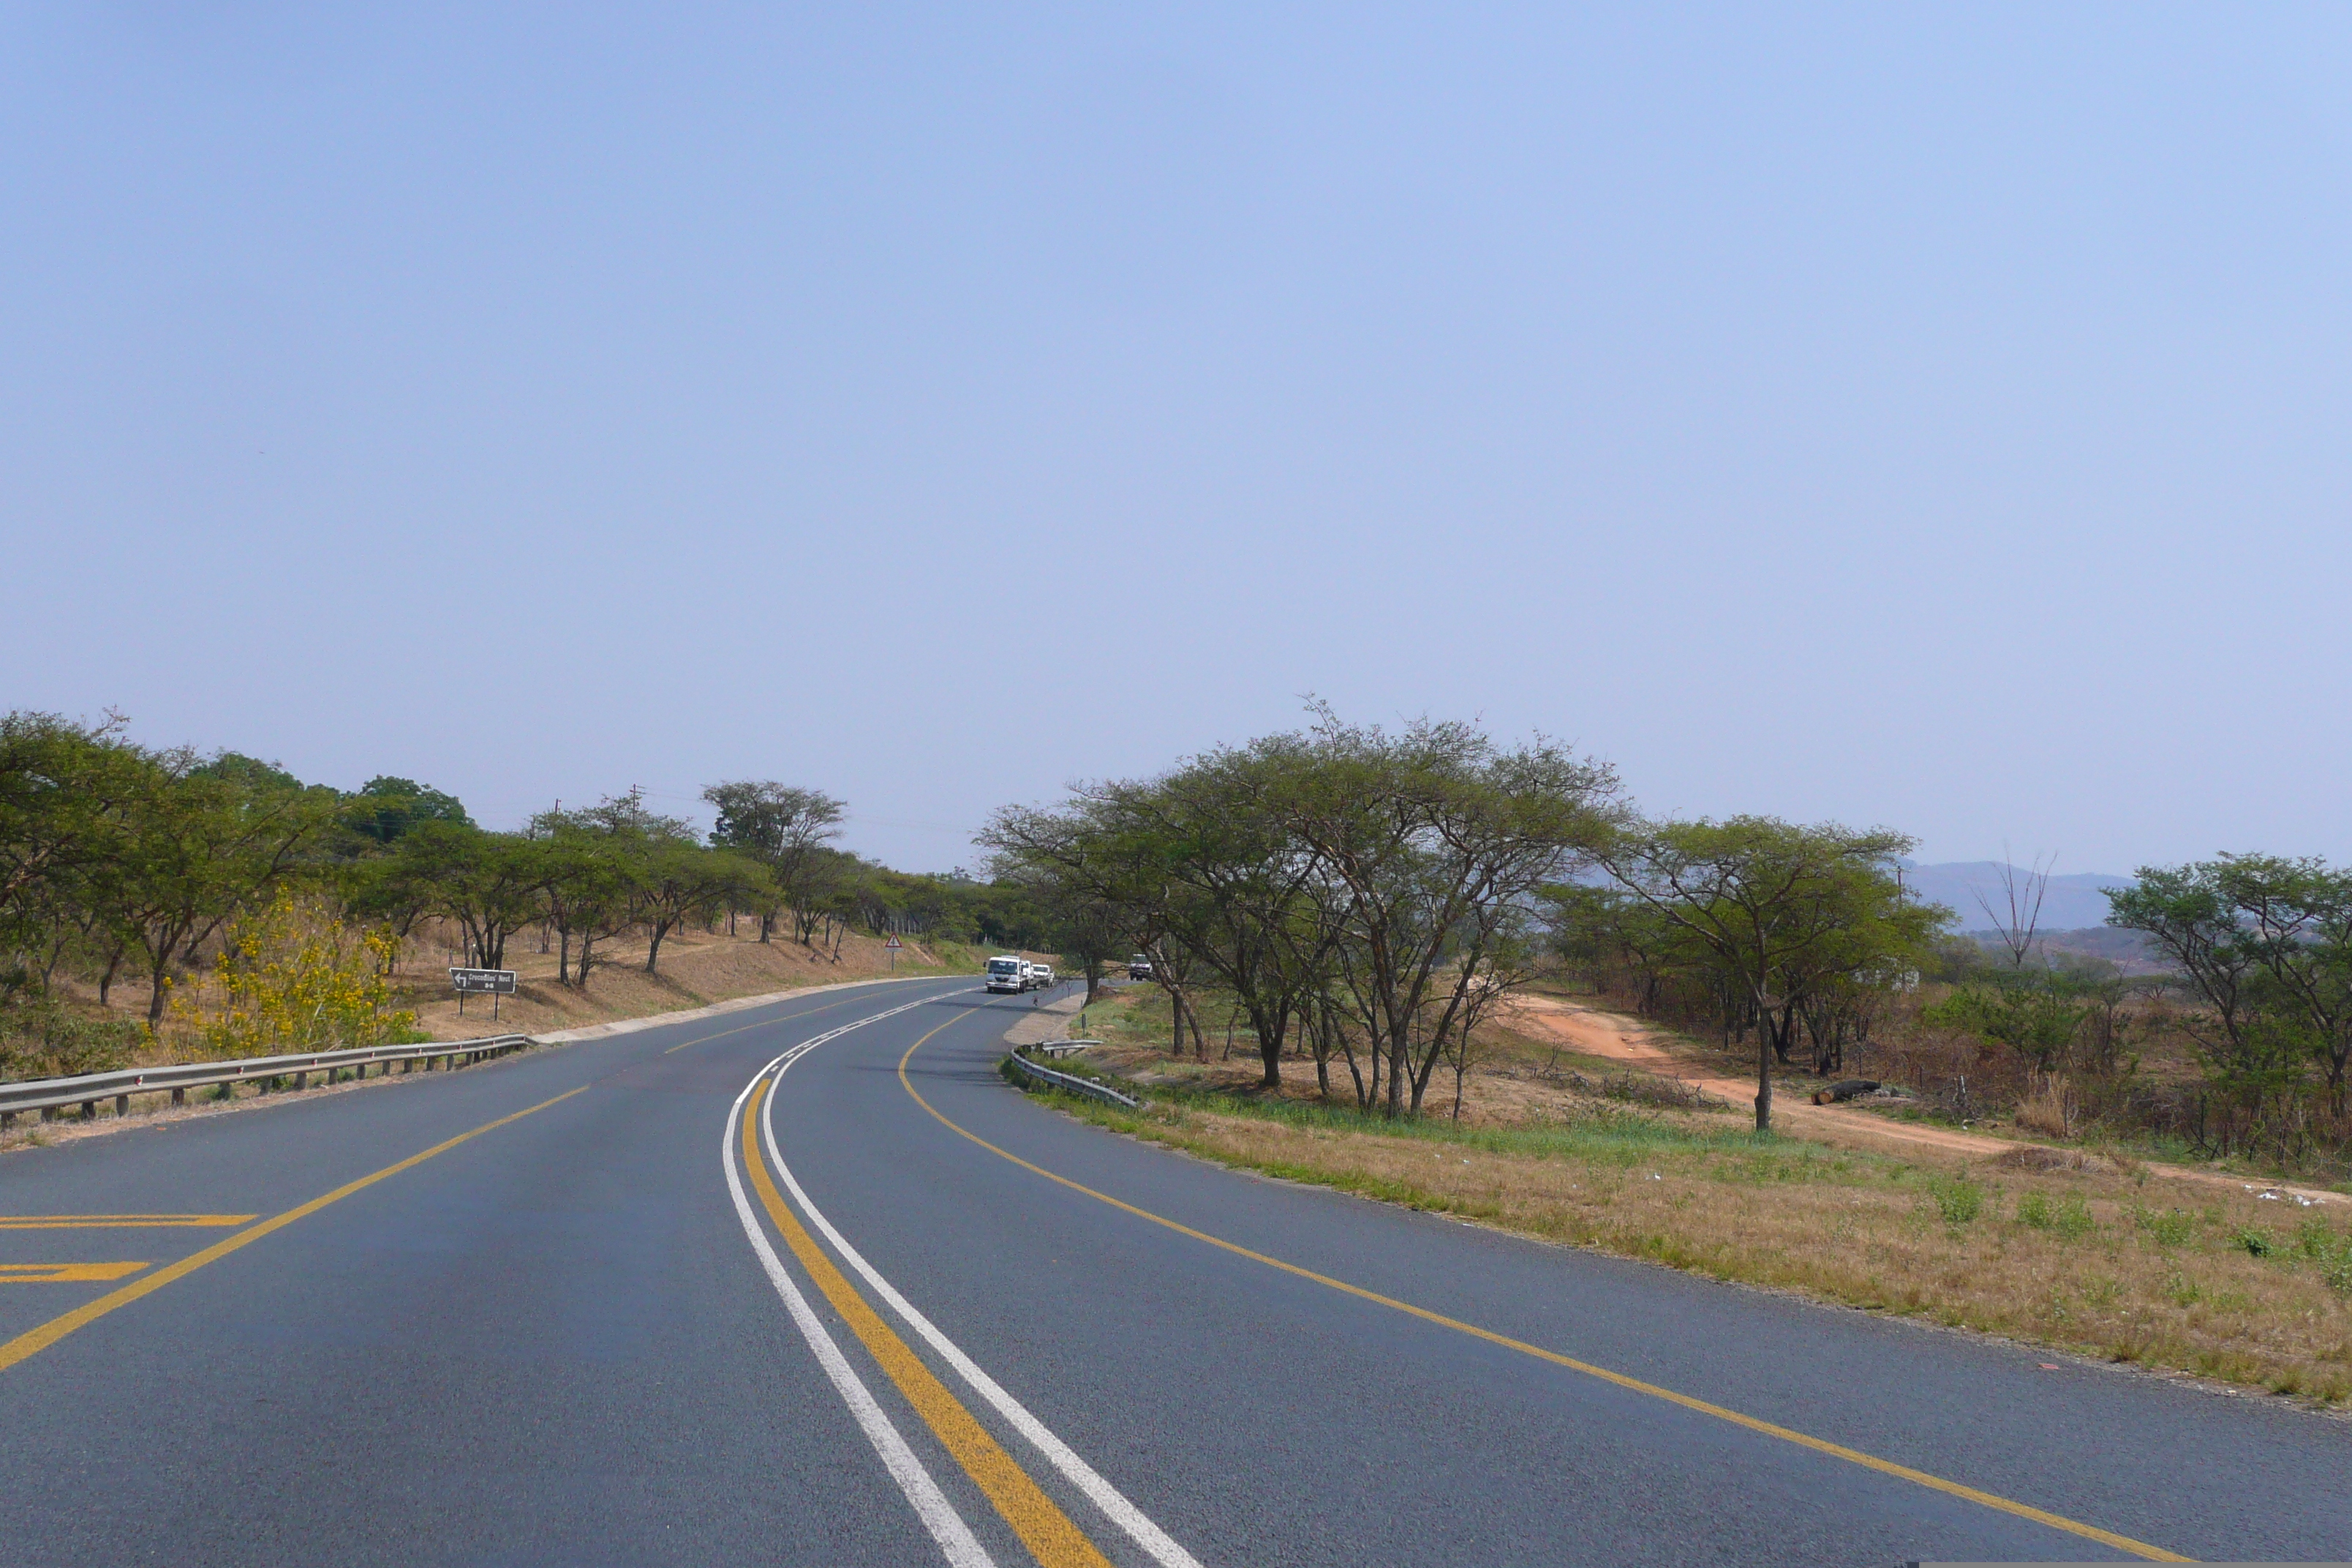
(707, 1293)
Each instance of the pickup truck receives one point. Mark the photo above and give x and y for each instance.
(1139, 967)
(1041, 976)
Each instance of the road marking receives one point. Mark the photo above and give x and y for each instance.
(930, 1504)
(119, 1221)
(1721, 1412)
(32, 1341)
(762, 1024)
(1049, 1534)
(1129, 1517)
(64, 1273)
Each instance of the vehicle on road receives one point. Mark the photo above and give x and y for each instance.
(1139, 967)
(1042, 976)
(1008, 973)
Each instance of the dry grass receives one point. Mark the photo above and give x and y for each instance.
(2080, 1253)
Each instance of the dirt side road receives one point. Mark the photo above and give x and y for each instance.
(1629, 1040)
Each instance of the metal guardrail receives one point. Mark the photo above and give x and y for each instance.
(1078, 1086)
(50, 1095)
(1059, 1048)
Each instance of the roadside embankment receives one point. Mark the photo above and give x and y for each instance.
(2224, 1280)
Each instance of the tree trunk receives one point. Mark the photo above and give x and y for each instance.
(564, 960)
(653, 948)
(1269, 1051)
(159, 976)
(1763, 1069)
(106, 980)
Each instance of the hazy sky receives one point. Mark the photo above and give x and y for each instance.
(1932, 417)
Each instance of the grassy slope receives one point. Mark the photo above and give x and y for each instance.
(2235, 1287)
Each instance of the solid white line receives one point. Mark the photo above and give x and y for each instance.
(1080, 1474)
(931, 1505)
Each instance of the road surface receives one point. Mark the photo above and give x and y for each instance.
(712, 1293)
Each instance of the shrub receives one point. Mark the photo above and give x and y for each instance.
(2256, 1243)
(290, 979)
(42, 1039)
(2170, 1228)
(1959, 1200)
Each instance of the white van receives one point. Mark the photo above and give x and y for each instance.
(1041, 976)
(1007, 973)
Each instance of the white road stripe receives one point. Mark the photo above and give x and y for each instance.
(930, 1504)
(1080, 1474)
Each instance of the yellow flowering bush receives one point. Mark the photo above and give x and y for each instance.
(291, 979)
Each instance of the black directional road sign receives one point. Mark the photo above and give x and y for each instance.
(484, 982)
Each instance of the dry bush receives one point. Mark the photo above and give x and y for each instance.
(2049, 1107)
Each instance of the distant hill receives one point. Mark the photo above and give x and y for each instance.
(2072, 902)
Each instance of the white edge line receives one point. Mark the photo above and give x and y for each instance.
(930, 1504)
(1080, 1474)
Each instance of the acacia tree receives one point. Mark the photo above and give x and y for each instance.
(1201, 866)
(783, 828)
(1428, 847)
(2267, 944)
(679, 879)
(65, 791)
(1776, 904)
(490, 883)
(593, 865)
(201, 842)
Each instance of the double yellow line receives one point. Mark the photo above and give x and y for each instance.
(1049, 1533)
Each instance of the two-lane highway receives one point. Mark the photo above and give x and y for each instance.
(811, 1284)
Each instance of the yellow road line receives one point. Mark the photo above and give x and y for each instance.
(119, 1221)
(64, 1273)
(703, 1039)
(1043, 1527)
(1721, 1412)
(32, 1341)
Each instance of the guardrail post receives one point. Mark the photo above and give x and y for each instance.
(122, 1105)
(89, 1111)
(7, 1120)
(48, 1113)
(180, 1095)
(301, 1080)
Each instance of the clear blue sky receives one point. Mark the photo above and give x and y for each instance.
(1935, 417)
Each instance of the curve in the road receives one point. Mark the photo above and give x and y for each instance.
(1155, 1541)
